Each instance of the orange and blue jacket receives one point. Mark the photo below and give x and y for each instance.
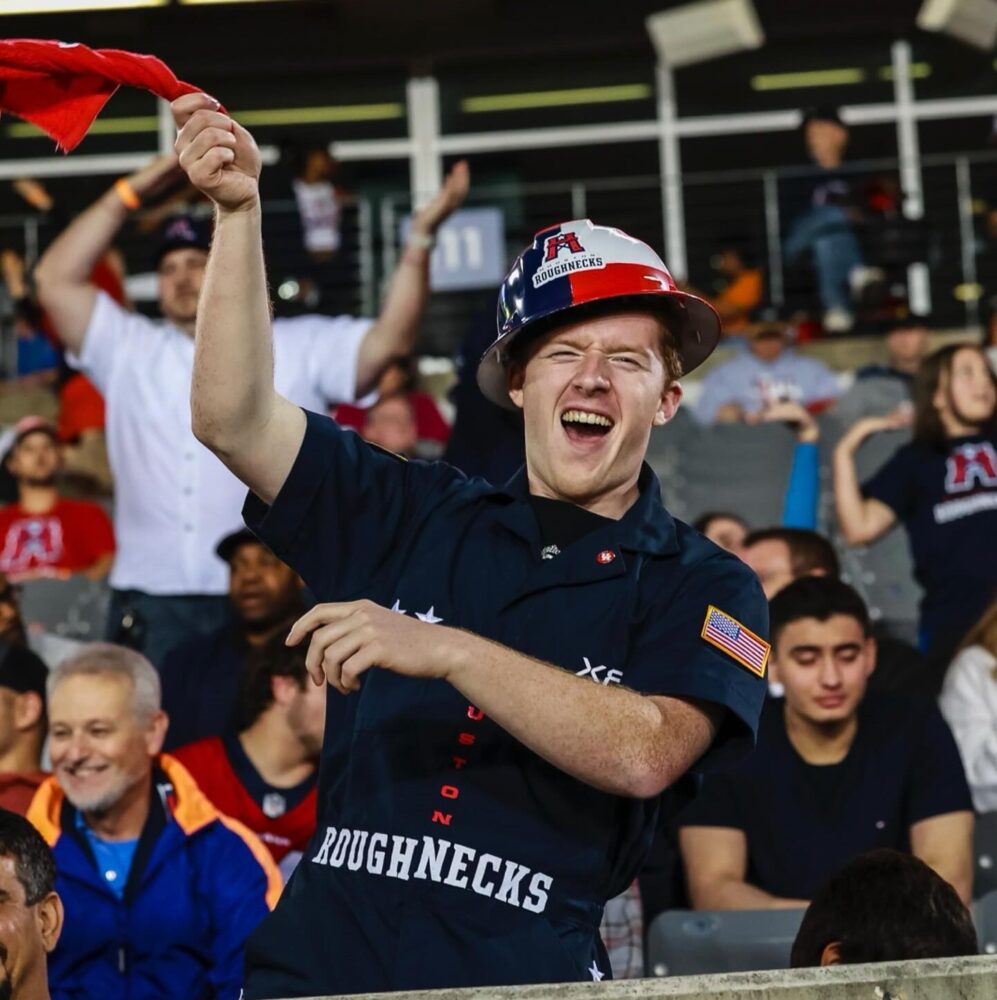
(199, 883)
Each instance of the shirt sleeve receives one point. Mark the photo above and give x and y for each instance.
(334, 348)
(937, 780)
(109, 336)
(890, 484)
(709, 643)
(967, 703)
(714, 394)
(803, 489)
(346, 509)
(714, 805)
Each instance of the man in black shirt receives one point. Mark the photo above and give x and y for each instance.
(836, 773)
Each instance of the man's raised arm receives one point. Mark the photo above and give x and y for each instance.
(62, 276)
(235, 410)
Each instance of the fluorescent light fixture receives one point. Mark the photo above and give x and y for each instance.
(65, 6)
(808, 78)
(263, 116)
(558, 98)
(321, 115)
(971, 21)
(918, 71)
(201, 3)
(704, 30)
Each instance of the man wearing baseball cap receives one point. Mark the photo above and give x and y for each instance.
(44, 533)
(173, 500)
(519, 671)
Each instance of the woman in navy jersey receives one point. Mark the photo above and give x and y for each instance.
(942, 487)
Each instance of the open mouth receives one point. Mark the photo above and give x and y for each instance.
(583, 425)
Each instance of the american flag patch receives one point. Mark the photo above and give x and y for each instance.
(735, 640)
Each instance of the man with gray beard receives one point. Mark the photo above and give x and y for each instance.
(160, 890)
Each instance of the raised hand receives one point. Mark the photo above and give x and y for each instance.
(446, 201)
(218, 155)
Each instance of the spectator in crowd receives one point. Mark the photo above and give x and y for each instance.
(883, 906)
(742, 290)
(390, 424)
(835, 772)
(22, 726)
(622, 932)
(723, 529)
(166, 587)
(202, 677)
(880, 389)
(37, 359)
(942, 487)
(781, 555)
(827, 228)
(51, 648)
(320, 202)
(160, 889)
(969, 703)
(768, 372)
(32, 910)
(265, 775)
(399, 379)
(45, 533)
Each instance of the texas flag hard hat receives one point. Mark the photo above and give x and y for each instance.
(577, 263)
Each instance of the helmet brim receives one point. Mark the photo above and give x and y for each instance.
(692, 321)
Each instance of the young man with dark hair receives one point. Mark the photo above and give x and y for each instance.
(519, 671)
(265, 775)
(32, 910)
(780, 555)
(884, 906)
(835, 772)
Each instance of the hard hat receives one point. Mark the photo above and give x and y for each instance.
(576, 263)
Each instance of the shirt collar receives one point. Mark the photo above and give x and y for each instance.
(645, 527)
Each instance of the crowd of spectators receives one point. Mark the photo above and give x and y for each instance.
(174, 769)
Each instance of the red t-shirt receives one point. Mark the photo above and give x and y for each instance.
(70, 538)
(209, 764)
(81, 408)
(429, 422)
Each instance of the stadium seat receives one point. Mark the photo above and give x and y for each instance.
(985, 919)
(690, 943)
(727, 467)
(74, 607)
(985, 854)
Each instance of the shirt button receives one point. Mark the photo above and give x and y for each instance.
(187, 490)
(188, 528)
(111, 876)
(188, 455)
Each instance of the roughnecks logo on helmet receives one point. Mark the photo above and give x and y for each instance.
(552, 267)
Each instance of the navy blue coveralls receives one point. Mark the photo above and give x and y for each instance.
(446, 853)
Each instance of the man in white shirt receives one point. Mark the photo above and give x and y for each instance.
(174, 499)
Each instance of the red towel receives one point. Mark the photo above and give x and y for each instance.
(61, 86)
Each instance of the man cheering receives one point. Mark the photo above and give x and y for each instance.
(520, 671)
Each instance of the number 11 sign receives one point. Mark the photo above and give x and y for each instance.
(470, 250)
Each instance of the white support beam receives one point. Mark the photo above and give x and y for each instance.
(74, 166)
(372, 149)
(426, 164)
(670, 166)
(167, 129)
(549, 138)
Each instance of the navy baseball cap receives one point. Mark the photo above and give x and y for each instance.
(21, 670)
(228, 546)
(184, 231)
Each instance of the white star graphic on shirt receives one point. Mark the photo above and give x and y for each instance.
(429, 616)
(397, 606)
(597, 976)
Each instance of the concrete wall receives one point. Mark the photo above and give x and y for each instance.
(934, 979)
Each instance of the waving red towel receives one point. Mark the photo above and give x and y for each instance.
(61, 86)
